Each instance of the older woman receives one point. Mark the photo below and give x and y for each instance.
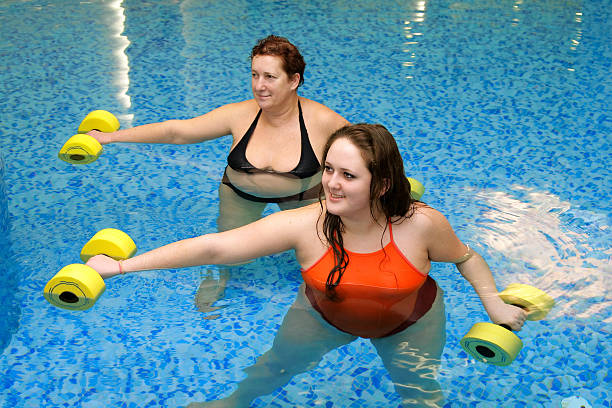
(365, 252)
(278, 137)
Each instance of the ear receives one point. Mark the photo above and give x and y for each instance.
(295, 81)
(386, 186)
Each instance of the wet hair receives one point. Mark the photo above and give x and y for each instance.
(293, 62)
(389, 188)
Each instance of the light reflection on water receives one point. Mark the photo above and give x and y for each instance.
(558, 254)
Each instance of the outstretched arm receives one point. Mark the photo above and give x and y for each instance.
(445, 246)
(273, 234)
(209, 126)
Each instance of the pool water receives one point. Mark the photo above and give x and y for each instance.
(501, 108)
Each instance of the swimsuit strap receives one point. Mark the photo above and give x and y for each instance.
(309, 163)
(242, 144)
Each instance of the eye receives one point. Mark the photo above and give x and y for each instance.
(327, 169)
(348, 175)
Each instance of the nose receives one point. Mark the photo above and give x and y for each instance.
(333, 180)
(258, 83)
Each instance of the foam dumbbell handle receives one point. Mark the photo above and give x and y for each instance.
(497, 344)
(82, 148)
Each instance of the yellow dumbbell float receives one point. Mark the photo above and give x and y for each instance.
(417, 189)
(497, 344)
(82, 148)
(78, 286)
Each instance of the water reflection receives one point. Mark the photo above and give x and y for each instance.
(412, 32)
(121, 72)
(577, 37)
(550, 245)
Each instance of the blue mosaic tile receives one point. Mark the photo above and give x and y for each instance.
(501, 108)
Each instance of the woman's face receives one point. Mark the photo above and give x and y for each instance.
(271, 84)
(346, 180)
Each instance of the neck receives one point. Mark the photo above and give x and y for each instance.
(280, 115)
(363, 224)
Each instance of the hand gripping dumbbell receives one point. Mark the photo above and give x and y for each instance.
(78, 286)
(497, 344)
(82, 148)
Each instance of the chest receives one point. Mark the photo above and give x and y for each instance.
(274, 148)
(385, 270)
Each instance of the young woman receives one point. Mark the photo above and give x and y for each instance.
(365, 252)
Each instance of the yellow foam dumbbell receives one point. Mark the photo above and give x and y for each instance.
(82, 148)
(417, 189)
(78, 286)
(497, 344)
(110, 242)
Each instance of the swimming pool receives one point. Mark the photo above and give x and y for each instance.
(501, 108)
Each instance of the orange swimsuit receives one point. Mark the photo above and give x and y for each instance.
(380, 293)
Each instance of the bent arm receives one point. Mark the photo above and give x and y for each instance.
(476, 271)
(209, 126)
(445, 246)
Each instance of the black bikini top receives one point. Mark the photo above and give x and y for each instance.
(307, 166)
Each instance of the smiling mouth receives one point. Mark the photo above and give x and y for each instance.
(332, 195)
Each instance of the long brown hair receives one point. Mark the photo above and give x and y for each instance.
(389, 188)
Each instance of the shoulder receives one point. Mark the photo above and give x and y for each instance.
(238, 115)
(436, 234)
(428, 217)
(424, 224)
(278, 232)
(231, 111)
(307, 237)
(297, 226)
(301, 218)
(242, 107)
(291, 226)
(321, 117)
(294, 219)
